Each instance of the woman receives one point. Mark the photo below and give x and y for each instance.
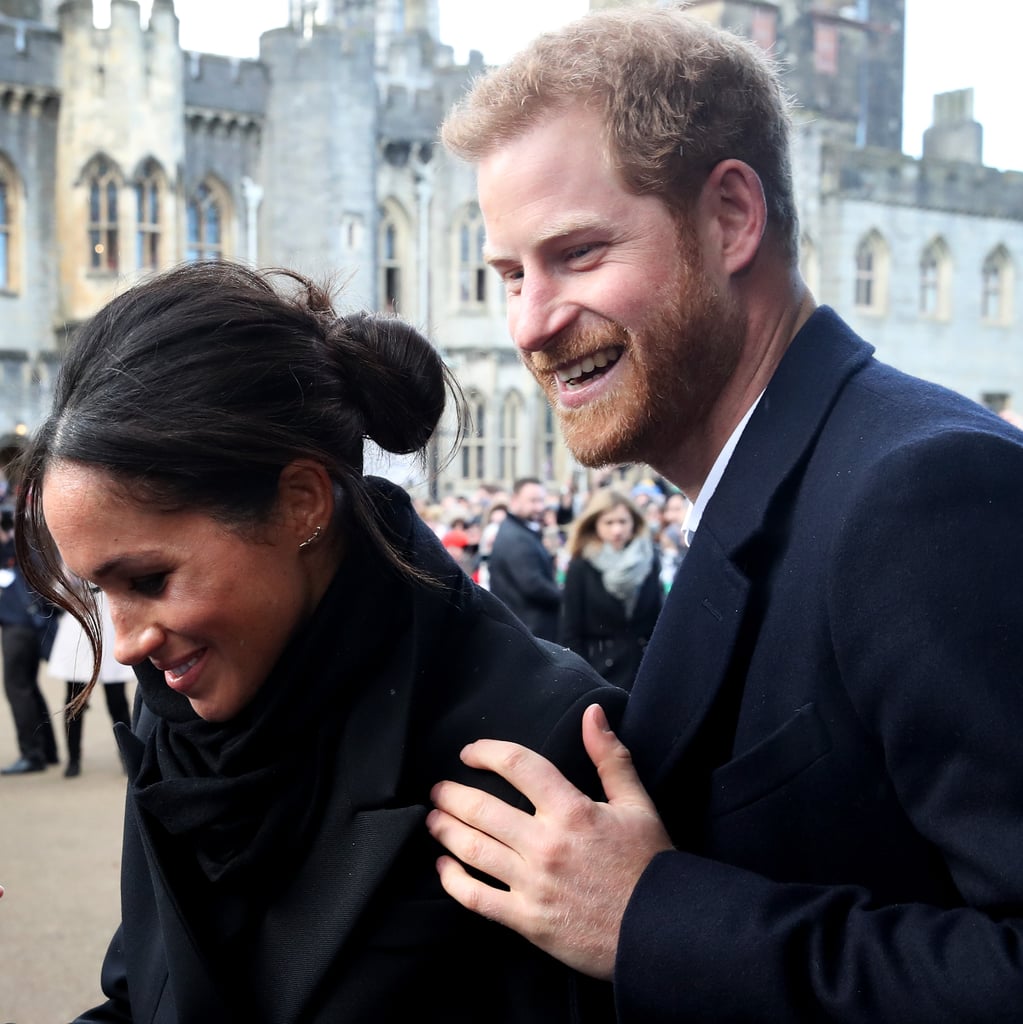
(613, 593)
(309, 659)
(71, 660)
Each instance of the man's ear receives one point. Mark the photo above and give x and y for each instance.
(735, 207)
(305, 494)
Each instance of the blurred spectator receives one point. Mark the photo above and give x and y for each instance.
(27, 625)
(71, 660)
(521, 567)
(613, 591)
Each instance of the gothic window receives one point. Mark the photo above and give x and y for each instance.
(871, 288)
(508, 444)
(8, 226)
(825, 48)
(390, 267)
(472, 270)
(764, 31)
(104, 187)
(204, 224)
(474, 443)
(996, 288)
(392, 244)
(148, 190)
(935, 281)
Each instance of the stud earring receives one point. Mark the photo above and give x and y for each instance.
(311, 540)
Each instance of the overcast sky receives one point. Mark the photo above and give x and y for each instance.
(945, 49)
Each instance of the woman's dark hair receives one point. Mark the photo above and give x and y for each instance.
(196, 388)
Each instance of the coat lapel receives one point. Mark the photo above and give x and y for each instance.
(698, 632)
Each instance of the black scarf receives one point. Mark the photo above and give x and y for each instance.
(246, 793)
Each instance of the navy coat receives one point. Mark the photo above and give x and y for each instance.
(829, 716)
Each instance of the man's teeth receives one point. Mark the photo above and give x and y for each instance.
(597, 361)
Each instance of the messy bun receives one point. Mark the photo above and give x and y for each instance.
(198, 386)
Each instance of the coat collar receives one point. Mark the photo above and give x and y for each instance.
(692, 647)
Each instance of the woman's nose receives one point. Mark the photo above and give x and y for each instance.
(134, 641)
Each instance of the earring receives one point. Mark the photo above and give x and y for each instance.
(311, 540)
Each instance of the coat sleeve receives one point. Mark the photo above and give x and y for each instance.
(114, 983)
(570, 626)
(926, 617)
(525, 566)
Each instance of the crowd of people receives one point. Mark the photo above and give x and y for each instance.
(801, 802)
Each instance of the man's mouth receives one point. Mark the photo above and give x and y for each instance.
(591, 366)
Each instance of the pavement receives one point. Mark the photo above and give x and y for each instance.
(60, 853)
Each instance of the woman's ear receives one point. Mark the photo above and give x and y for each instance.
(305, 495)
(734, 203)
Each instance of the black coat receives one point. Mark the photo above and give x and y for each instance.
(828, 716)
(522, 576)
(362, 930)
(594, 623)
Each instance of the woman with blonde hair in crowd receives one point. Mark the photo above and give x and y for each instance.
(613, 593)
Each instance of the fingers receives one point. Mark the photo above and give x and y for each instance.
(474, 847)
(530, 773)
(613, 762)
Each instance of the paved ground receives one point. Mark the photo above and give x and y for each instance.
(60, 843)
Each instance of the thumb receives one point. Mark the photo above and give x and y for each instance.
(613, 761)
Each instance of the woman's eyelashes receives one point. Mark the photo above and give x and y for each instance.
(150, 585)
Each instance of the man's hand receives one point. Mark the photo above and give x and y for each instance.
(570, 867)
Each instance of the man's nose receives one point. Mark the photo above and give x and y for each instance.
(538, 313)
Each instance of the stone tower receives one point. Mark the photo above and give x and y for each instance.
(120, 133)
(319, 156)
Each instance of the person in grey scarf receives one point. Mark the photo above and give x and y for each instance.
(612, 591)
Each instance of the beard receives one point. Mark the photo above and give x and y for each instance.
(679, 360)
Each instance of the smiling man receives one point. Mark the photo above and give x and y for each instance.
(820, 818)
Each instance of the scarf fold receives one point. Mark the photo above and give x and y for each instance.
(245, 794)
(623, 571)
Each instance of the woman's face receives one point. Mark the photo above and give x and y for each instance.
(209, 607)
(615, 527)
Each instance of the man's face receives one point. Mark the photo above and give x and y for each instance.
(612, 311)
(529, 503)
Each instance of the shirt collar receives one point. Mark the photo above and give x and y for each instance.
(696, 509)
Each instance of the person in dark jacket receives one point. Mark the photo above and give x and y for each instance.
(613, 591)
(309, 661)
(815, 802)
(27, 626)
(521, 566)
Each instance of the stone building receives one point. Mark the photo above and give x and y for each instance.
(120, 153)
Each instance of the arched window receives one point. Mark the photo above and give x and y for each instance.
(871, 289)
(474, 443)
(9, 214)
(996, 288)
(935, 299)
(148, 193)
(472, 270)
(392, 241)
(104, 183)
(206, 217)
(509, 440)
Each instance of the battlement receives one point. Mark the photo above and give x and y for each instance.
(213, 82)
(29, 54)
(883, 176)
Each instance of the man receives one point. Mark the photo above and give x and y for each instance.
(521, 567)
(827, 716)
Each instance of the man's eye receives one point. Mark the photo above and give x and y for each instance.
(149, 586)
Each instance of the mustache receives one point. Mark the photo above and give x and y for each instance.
(575, 342)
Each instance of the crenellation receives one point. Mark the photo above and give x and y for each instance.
(321, 154)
